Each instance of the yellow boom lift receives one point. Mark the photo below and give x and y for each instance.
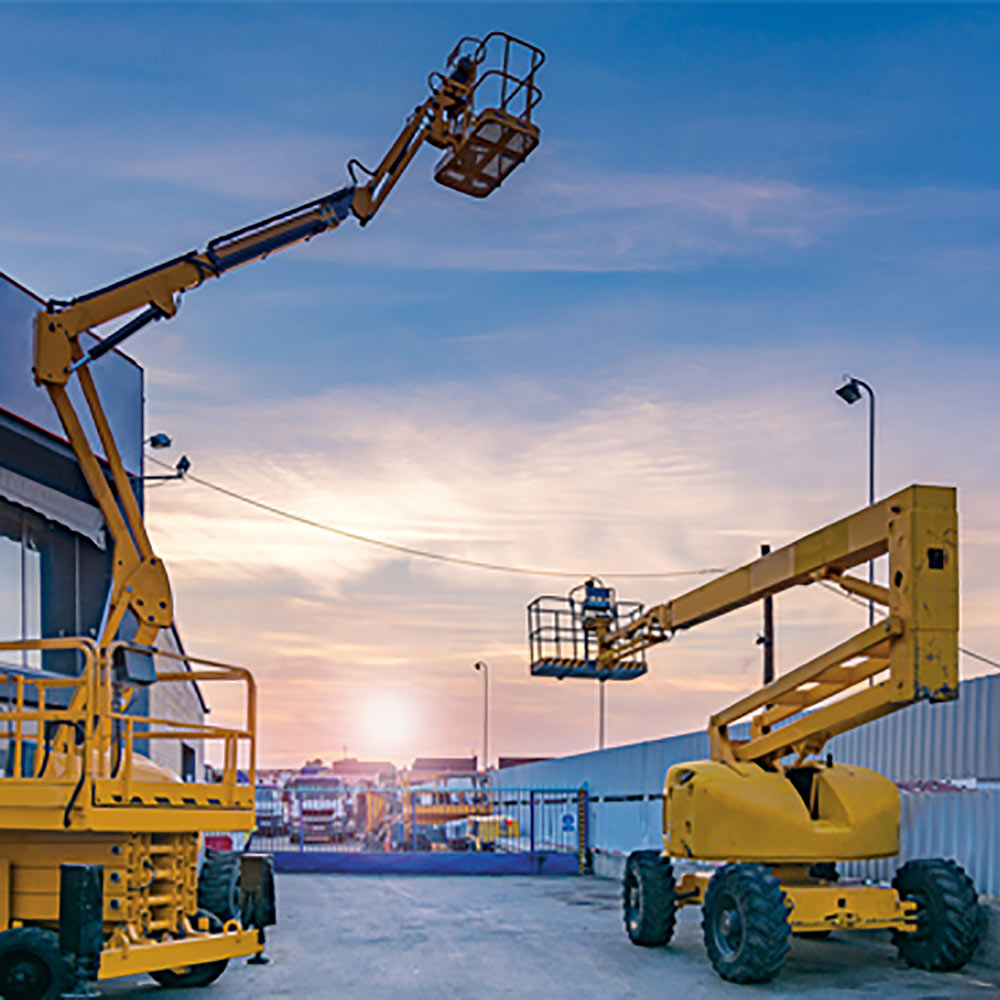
(99, 845)
(770, 807)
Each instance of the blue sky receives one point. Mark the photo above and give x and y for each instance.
(731, 206)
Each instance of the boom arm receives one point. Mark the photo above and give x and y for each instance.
(917, 643)
(481, 149)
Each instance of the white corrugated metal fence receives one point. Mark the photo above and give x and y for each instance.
(946, 757)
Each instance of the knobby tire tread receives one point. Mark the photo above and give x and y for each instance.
(767, 933)
(219, 873)
(955, 935)
(657, 909)
(44, 943)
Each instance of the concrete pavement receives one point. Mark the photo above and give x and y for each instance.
(431, 938)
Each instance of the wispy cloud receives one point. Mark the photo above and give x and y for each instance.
(624, 361)
(622, 481)
(555, 216)
(561, 218)
(261, 164)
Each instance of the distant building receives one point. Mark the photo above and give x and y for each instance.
(353, 770)
(503, 762)
(426, 768)
(274, 777)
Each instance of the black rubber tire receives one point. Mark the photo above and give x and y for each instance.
(949, 918)
(195, 975)
(31, 965)
(219, 884)
(745, 922)
(648, 905)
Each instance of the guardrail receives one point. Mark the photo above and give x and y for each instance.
(84, 732)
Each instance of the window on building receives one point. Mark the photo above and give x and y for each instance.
(20, 584)
(10, 588)
(189, 763)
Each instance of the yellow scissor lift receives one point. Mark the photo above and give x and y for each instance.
(98, 845)
(80, 791)
(772, 809)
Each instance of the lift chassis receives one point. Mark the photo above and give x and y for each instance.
(81, 796)
(772, 812)
(99, 846)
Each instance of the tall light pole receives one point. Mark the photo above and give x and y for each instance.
(600, 715)
(484, 667)
(850, 392)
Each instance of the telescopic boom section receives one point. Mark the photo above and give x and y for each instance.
(479, 112)
(911, 655)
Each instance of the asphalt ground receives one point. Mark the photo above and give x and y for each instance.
(475, 938)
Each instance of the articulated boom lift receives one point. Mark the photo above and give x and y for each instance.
(769, 804)
(96, 841)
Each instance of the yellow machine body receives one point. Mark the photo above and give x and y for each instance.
(750, 803)
(90, 794)
(439, 805)
(150, 889)
(486, 832)
(715, 811)
(769, 796)
(818, 905)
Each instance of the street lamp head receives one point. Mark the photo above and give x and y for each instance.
(159, 441)
(479, 665)
(849, 392)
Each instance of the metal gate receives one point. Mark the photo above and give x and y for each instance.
(329, 825)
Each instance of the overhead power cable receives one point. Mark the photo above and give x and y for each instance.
(422, 553)
(863, 603)
(980, 657)
(497, 567)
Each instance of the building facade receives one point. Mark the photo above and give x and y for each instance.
(55, 554)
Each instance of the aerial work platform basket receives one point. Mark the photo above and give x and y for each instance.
(563, 634)
(498, 138)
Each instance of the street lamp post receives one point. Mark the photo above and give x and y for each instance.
(600, 714)
(850, 392)
(160, 441)
(484, 667)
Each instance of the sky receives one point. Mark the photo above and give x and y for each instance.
(622, 361)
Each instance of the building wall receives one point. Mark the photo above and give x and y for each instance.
(118, 378)
(63, 572)
(73, 573)
(179, 702)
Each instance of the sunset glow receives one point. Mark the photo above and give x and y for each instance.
(622, 361)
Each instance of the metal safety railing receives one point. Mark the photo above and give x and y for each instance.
(85, 730)
(509, 86)
(562, 645)
(488, 130)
